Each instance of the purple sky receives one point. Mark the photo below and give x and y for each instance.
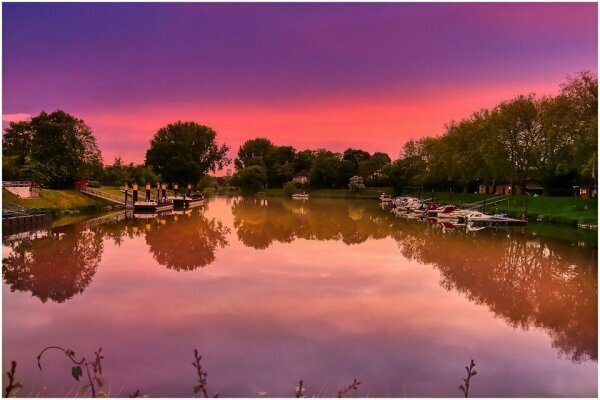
(309, 75)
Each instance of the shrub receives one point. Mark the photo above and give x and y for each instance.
(289, 189)
(356, 184)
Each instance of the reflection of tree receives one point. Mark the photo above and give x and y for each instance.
(56, 265)
(184, 243)
(528, 282)
(259, 223)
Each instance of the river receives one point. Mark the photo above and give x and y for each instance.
(273, 291)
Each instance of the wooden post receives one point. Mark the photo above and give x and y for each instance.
(158, 192)
(164, 190)
(135, 193)
(148, 191)
(126, 193)
(189, 190)
(175, 189)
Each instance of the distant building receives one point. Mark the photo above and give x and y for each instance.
(584, 192)
(506, 188)
(301, 177)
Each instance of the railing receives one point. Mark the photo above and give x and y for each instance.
(104, 195)
(16, 183)
(486, 202)
(113, 217)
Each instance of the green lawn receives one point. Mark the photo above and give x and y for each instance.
(567, 210)
(54, 200)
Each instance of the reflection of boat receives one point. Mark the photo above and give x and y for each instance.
(300, 196)
(385, 198)
(152, 206)
(145, 215)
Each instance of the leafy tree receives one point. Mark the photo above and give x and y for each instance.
(370, 168)
(253, 148)
(184, 151)
(251, 179)
(582, 92)
(324, 170)
(516, 124)
(355, 156)
(57, 146)
(356, 184)
(304, 160)
(552, 152)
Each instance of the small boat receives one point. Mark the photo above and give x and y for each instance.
(152, 206)
(186, 202)
(300, 196)
(476, 216)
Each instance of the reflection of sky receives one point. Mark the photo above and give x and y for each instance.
(309, 75)
(320, 311)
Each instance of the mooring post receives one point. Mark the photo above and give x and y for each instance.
(135, 193)
(175, 189)
(148, 191)
(164, 191)
(126, 193)
(189, 190)
(158, 192)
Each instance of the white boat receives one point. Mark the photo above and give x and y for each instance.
(300, 196)
(474, 216)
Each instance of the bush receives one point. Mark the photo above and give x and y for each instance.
(252, 179)
(289, 189)
(356, 184)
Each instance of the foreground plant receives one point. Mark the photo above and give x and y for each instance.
(353, 386)
(300, 389)
(13, 384)
(95, 379)
(470, 373)
(202, 375)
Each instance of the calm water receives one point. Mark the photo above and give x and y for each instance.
(274, 291)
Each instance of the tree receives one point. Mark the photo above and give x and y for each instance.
(289, 189)
(552, 153)
(184, 151)
(356, 184)
(258, 147)
(324, 170)
(355, 156)
(252, 179)
(57, 146)
(582, 92)
(516, 124)
(370, 168)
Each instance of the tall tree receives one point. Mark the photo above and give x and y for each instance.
(184, 151)
(57, 146)
(259, 147)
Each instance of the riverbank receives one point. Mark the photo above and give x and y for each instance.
(58, 202)
(369, 193)
(557, 210)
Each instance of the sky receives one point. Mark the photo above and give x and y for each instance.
(334, 76)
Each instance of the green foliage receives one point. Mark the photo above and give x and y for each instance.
(118, 173)
(324, 170)
(251, 179)
(55, 148)
(289, 189)
(207, 182)
(356, 184)
(184, 151)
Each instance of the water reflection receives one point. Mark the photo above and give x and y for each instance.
(55, 265)
(529, 281)
(260, 222)
(541, 282)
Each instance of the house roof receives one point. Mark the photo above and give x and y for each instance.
(299, 174)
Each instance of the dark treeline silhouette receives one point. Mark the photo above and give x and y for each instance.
(550, 139)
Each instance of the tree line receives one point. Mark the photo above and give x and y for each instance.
(550, 139)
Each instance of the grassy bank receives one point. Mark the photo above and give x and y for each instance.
(563, 210)
(56, 201)
(369, 193)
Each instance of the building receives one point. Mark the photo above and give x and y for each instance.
(531, 187)
(301, 177)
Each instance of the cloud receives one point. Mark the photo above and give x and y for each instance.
(15, 117)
